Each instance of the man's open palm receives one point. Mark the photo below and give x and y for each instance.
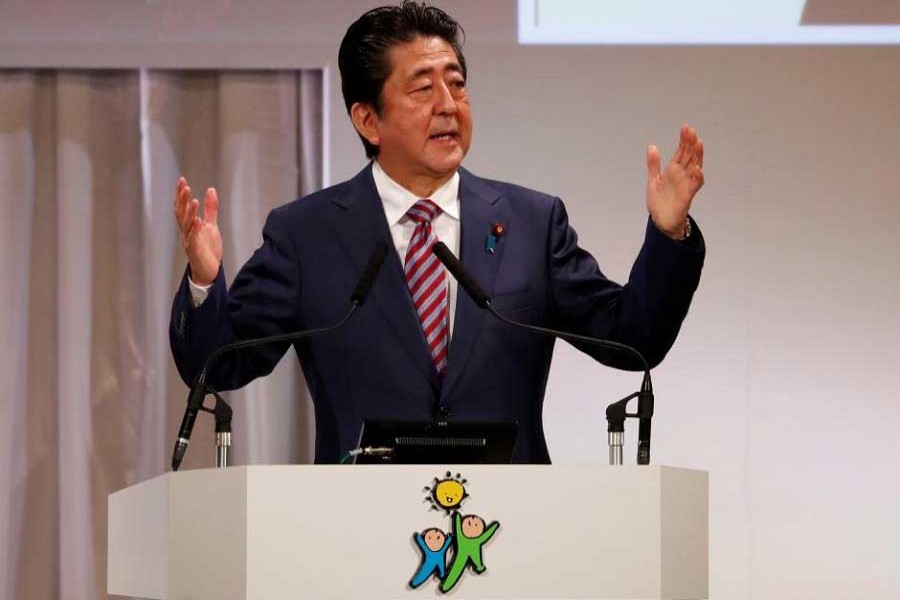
(200, 236)
(670, 192)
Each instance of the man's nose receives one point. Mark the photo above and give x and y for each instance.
(444, 104)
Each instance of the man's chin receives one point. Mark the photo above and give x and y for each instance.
(447, 164)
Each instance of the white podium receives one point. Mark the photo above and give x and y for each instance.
(317, 532)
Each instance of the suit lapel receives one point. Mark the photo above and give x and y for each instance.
(359, 224)
(478, 213)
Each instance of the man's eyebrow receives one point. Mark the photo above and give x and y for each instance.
(422, 71)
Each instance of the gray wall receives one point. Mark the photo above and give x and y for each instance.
(780, 382)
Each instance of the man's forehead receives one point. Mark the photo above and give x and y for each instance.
(422, 56)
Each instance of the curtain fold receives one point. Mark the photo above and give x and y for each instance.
(91, 258)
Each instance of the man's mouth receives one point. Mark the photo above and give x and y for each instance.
(445, 136)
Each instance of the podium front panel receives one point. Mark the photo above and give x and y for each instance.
(274, 532)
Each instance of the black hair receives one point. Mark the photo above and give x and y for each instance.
(363, 56)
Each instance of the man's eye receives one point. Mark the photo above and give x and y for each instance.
(424, 88)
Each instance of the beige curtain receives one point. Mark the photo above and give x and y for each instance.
(90, 260)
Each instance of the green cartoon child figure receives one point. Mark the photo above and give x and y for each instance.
(469, 536)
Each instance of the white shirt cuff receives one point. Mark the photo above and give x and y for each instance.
(198, 292)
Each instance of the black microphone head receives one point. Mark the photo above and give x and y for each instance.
(468, 283)
(370, 272)
(178, 453)
(198, 391)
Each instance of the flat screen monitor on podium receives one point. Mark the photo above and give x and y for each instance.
(428, 443)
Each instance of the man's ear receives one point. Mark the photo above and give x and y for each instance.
(366, 122)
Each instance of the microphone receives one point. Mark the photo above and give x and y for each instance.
(483, 300)
(449, 260)
(369, 273)
(199, 389)
(645, 414)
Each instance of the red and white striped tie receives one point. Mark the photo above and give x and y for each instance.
(427, 282)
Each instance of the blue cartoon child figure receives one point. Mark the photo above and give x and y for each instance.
(434, 545)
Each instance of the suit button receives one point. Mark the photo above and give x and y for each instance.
(443, 411)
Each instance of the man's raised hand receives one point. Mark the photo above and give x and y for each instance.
(670, 192)
(200, 236)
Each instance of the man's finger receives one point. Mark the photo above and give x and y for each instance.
(180, 194)
(691, 157)
(190, 212)
(652, 162)
(689, 139)
(194, 227)
(192, 208)
(696, 150)
(182, 203)
(185, 237)
(211, 206)
(679, 157)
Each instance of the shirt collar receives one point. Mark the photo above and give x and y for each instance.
(397, 200)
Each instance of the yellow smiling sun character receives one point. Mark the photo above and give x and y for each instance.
(447, 493)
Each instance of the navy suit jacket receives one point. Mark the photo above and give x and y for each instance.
(378, 365)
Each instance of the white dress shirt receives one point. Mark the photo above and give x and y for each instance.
(396, 201)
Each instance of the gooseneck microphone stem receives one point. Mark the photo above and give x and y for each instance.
(645, 396)
(200, 389)
(573, 337)
(285, 337)
(616, 412)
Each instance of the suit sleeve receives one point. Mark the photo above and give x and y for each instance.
(645, 313)
(263, 300)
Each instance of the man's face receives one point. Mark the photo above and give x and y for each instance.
(425, 126)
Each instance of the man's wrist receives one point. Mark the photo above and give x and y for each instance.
(677, 234)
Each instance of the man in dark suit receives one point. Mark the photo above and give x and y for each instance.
(421, 349)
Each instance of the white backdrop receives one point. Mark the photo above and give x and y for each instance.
(780, 383)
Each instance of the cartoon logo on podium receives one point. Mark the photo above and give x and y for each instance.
(445, 555)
